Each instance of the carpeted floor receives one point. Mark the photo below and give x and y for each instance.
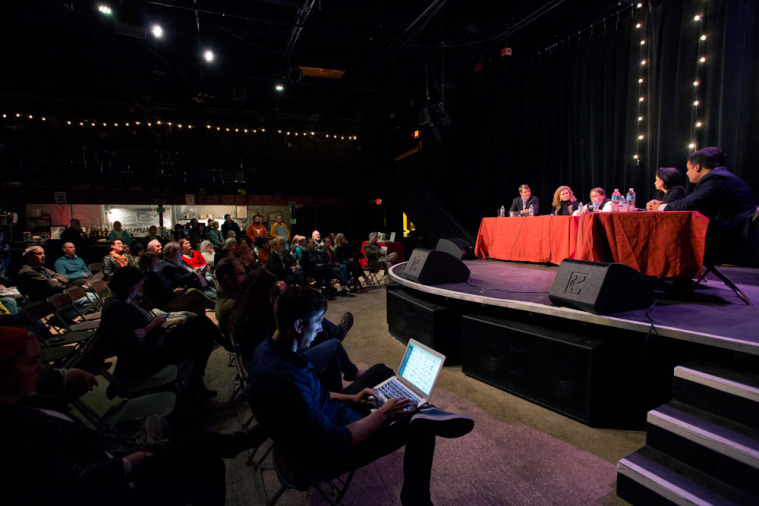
(518, 453)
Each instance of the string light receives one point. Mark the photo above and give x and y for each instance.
(696, 122)
(170, 124)
(643, 112)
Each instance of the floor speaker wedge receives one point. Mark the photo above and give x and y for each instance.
(430, 267)
(599, 287)
(456, 247)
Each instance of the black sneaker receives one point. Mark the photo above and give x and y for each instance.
(441, 423)
(346, 323)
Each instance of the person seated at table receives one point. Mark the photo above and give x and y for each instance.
(377, 256)
(162, 295)
(120, 234)
(50, 457)
(115, 260)
(345, 255)
(521, 204)
(598, 202)
(722, 197)
(72, 266)
(670, 183)
(564, 201)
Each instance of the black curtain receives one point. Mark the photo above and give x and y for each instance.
(568, 114)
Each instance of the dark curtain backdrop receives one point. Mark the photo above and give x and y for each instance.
(569, 115)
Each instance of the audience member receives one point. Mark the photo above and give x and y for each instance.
(256, 229)
(279, 229)
(143, 344)
(328, 254)
(330, 433)
(120, 234)
(52, 458)
(564, 201)
(346, 256)
(282, 264)
(192, 257)
(317, 237)
(212, 234)
(153, 234)
(298, 246)
(115, 260)
(317, 267)
(208, 252)
(179, 274)
(247, 256)
(72, 266)
(670, 184)
(526, 199)
(155, 246)
(230, 225)
(377, 256)
(161, 294)
(35, 280)
(75, 235)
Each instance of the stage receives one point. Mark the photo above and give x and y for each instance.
(603, 370)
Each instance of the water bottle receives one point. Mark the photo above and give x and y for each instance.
(615, 198)
(502, 212)
(595, 206)
(532, 211)
(631, 200)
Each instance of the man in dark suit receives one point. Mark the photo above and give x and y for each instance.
(526, 199)
(722, 197)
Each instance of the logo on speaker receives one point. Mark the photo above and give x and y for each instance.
(415, 264)
(576, 279)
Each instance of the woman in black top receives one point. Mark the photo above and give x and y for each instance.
(346, 256)
(564, 201)
(669, 182)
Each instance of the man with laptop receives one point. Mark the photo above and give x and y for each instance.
(331, 433)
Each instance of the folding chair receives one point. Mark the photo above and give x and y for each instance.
(76, 293)
(100, 288)
(293, 476)
(62, 304)
(97, 270)
(40, 316)
(371, 278)
(97, 350)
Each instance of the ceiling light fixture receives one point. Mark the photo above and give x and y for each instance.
(208, 56)
(157, 31)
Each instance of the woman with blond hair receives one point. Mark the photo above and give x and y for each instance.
(564, 201)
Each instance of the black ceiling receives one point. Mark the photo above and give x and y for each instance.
(65, 54)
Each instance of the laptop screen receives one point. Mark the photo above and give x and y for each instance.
(420, 367)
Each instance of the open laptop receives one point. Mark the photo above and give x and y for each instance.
(416, 376)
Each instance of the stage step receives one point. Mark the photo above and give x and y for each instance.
(714, 445)
(703, 446)
(651, 477)
(729, 392)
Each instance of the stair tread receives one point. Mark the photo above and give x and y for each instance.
(730, 380)
(707, 429)
(677, 481)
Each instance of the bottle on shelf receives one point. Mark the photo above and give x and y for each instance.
(532, 210)
(615, 198)
(502, 212)
(631, 200)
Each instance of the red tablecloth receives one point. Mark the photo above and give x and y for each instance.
(667, 244)
(531, 239)
(392, 247)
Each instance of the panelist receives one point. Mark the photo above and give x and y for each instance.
(668, 181)
(722, 197)
(564, 201)
(598, 196)
(522, 203)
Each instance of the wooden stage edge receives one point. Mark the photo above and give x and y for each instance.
(695, 323)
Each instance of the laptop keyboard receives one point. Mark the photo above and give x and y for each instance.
(395, 389)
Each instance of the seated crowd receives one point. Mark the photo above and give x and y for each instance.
(157, 315)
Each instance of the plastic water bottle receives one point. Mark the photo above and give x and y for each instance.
(502, 212)
(595, 206)
(631, 200)
(532, 211)
(615, 198)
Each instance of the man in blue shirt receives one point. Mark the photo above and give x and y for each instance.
(330, 433)
(72, 266)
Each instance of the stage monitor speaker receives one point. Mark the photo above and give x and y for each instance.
(599, 287)
(459, 248)
(430, 267)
